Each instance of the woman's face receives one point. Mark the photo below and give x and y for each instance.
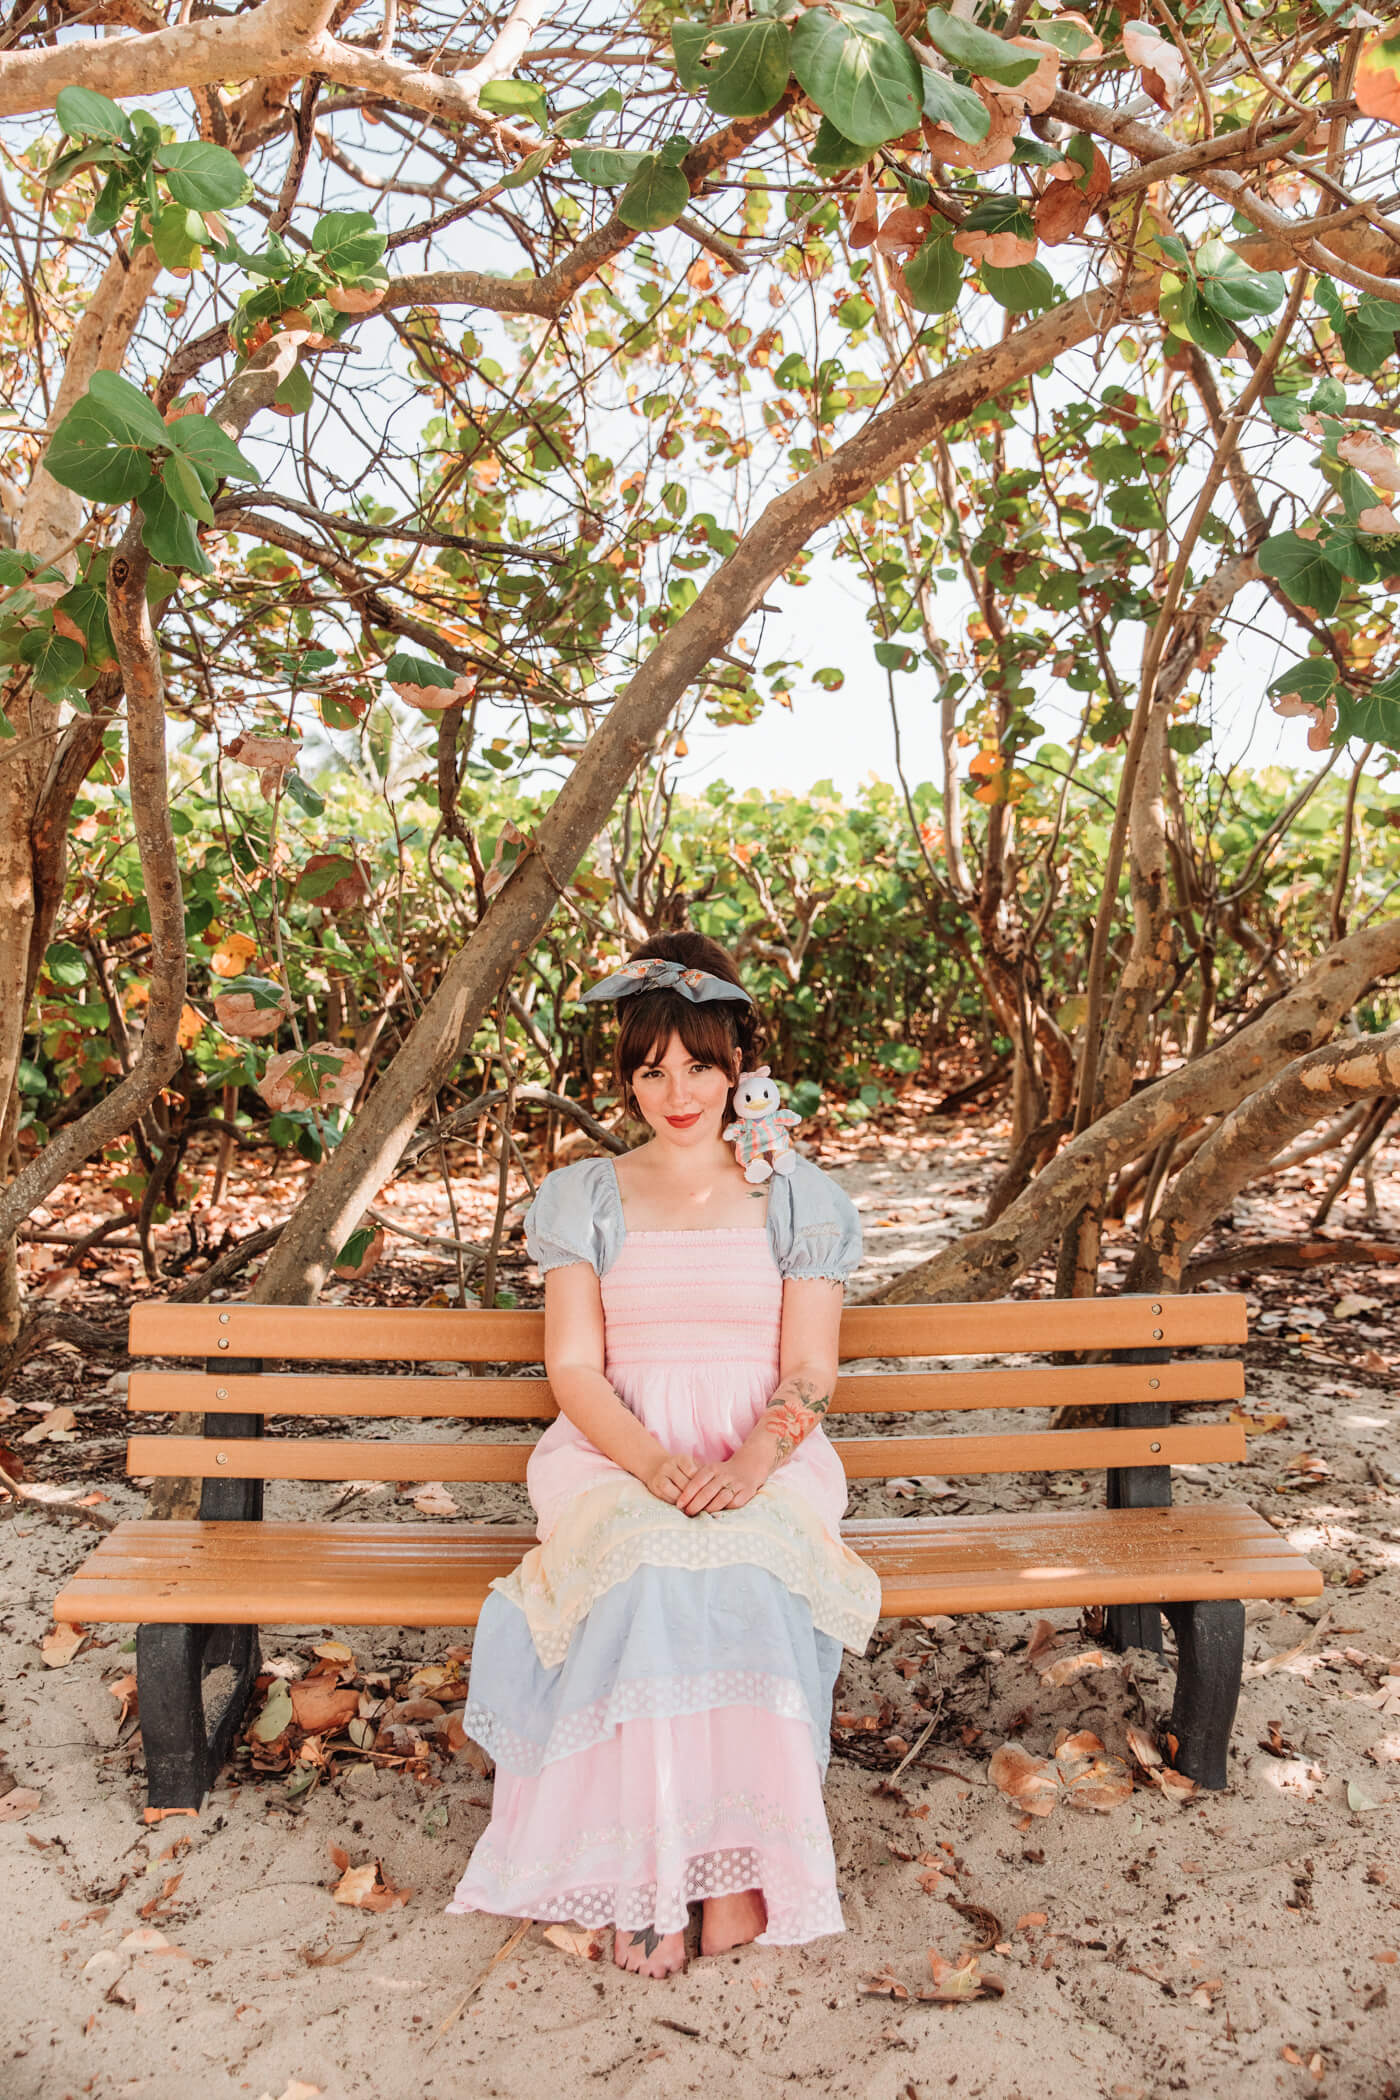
(682, 1098)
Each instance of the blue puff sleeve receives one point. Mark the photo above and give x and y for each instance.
(576, 1216)
(813, 1226)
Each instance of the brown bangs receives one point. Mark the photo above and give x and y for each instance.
(647, 1021)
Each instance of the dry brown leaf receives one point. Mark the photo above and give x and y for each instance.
(1143, 1747)
(1004, 251)
(433, 1500)
(1028, 1781)
(60, 1644)
(123, 1690)
(903, 233)
(1029, 1919)
(883, 1986)
(1061, 212)
(1373, 457)
(1175, 1785)
(865, 213)
(1148, 50)
(366, 1887)
(18, 1803)
(583, 1945)
(335, 1084)
(1042, 1640)
(1071, 1666)
(55, 1422)
(1038, 91)
(319, 1704)
(334, 1651)
(295, 2089)
(241, 1015)
(986, 1925)
(957, 1983)
(351, 1272)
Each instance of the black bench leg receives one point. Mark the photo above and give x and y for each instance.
(1209, 1666)
(187, 1720)
(1134, 1626)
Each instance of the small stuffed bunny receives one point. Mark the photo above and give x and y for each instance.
(762, 1127)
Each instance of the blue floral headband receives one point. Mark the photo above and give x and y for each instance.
(655, 974)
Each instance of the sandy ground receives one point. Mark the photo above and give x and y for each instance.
(1242, 1944)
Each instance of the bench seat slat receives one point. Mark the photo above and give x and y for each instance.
(1016, 1561)
(865, 1458)
(530, 1399)
(343, 1334)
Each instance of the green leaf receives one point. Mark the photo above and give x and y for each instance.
(276, 1716)
(1186, 313)
(53, 660)
(295, 392)
(577, 123)
(263, 992)
(168, 532)
(747, 67)
(178, 237)
(606, 166)
(934, 275)
(831, 152)
(208, 445)
(305, 797)
(185, 488)
(1067, 37)
(1370, 717)
(1187, 737)
(1022, 290)
(1284, 410)
(1364, 349)
(955, 107)
(111, 203)
(858, 70)
(1229, 285)
(102, 446)
(403, 669)
(1304, 571)
(1034, 153)
(355, 1248)
(204, 177)
(508, 97)
(529, 168)
(85, 114)
(86, 606)
(348, 242)
(655, 197)
(991, 57)
(1312, 678)
(66, 965)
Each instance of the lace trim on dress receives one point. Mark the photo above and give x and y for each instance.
(663, 1698)
(796, 1911)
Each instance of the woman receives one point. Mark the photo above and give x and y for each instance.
(655, 1680)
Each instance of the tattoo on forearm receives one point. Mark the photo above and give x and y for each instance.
(794, 1411)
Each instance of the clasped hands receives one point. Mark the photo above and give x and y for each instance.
(708, 1490)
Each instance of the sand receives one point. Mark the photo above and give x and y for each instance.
(1242, 1943)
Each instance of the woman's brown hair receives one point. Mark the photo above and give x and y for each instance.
(717, 1031)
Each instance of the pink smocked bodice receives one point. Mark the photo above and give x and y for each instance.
(693, 1325)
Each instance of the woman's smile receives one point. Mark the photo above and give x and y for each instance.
(683, 1122)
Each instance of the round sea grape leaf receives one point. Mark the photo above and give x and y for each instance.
(1312, 679)
(168, 531)
(934, 276)
(53, 660)
(348, 242)
(991, 57)
(742, 67)
(100, 450)
(512, 97)
(84, 114)
(1303, 569)
(201, 176)
(655, 197)
(955, 107)
(606, 166)
(856, 67)
(178, 237)
(129, 410)
(184, 487)
(1022, 290)
(1229, 285)
(831, 152)
(208, 445)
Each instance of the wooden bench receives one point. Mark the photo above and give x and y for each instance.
(199, 1591)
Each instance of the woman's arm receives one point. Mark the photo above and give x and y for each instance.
(574, 1359)
(808, 1354)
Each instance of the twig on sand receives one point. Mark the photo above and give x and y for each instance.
(465, 2000)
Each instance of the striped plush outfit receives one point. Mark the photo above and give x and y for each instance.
(656, 1688)
(756, 1136)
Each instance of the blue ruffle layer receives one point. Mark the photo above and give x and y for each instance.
(666, 1641)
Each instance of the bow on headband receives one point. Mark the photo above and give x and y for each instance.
(655, 974)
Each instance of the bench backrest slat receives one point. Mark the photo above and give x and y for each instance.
(344, 1334)
(530, 1399)
(865, 1458)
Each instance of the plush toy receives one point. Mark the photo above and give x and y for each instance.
(762, 1127)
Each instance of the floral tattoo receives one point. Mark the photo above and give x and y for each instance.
(794, 1412)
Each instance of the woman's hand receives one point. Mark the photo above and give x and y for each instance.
(667, 1476)
(728, 1485)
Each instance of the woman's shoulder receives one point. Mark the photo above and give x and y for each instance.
(575, 1216)
(816, 1227)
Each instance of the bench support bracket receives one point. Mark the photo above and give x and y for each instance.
(1209, 1666)
(195, 1681)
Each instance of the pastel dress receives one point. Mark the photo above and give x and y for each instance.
(656, 1689)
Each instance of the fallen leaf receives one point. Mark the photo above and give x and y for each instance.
(433, 1500)
(319, 1704)
(1026, 1780)
(334, 1651)
(277, 1715)
(55, 1422)
(1256, 1425)
(330, 1957)
(1358, 1800)
(18, 1803)
(1143, 1747)
(366, 1887)
(1030, 1918)
(583, 1945)
(295, 2089)
(1071, 1666)
(1354, 1302)
(60, 1644)
(883, 1986)
(956, 1983)
(123, 1690)
(986, 1925)
(1089, 1777)
(1044, 1638)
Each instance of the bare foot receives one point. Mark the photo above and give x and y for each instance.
(649, 1953)
(732, 1921)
